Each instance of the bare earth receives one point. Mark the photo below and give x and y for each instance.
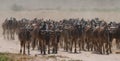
(12, 46)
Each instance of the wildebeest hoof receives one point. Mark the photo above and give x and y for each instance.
(48, 52)
(24, 53)
(20, 51)
(28, 53)
(75, 52)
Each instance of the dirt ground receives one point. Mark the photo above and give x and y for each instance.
(12, 46)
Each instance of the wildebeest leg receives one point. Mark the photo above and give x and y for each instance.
(44, 47)
(75, 51)
(53, 43)
(4, 33)
(28, 47)
(110, 45)
(8, 34)
(106, 48)
(21, 45)
(33, 43)
(56, 48)
(117, 44)
(24, 47)
(95, 45)
(83, 44)
(61, 43)
(100, 49)
(103, 48)
(66, 45)
(13, 34)
(48, 47)
(92, 44)
(57, 42)
(40, 45)
(88, 46)
(71, 46)
(80, 45)
(86, 43)
(53, 50)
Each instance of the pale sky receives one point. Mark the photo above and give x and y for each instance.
(62, 4)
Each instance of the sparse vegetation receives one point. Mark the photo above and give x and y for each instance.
(62, 56)
(74, 60)
(4, 58)
(14, 57)
(18, 57)
(52, 56)
(71, 60)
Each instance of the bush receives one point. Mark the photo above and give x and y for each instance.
(4, 58)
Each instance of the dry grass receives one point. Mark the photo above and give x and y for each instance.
(19, 57)
(14, 57)
(74, 60)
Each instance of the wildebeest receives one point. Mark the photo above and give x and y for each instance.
(92, 35)
(9, 28)
(25, 39)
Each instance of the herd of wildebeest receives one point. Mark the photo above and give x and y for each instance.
(71, 35)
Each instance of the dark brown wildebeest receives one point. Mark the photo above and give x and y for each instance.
(114, 33)
(42, 41)
(9, 28)
(54, 40)
(104, 39)
(88, 35)
(4, 27)
(35, 36)
(25, 39)
(74, 38)
(66, 37)
(38, 38)
(58, 35)
(82, 35)
(76, 34)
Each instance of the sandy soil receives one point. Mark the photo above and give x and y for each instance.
(58, 15)
(12, 46)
